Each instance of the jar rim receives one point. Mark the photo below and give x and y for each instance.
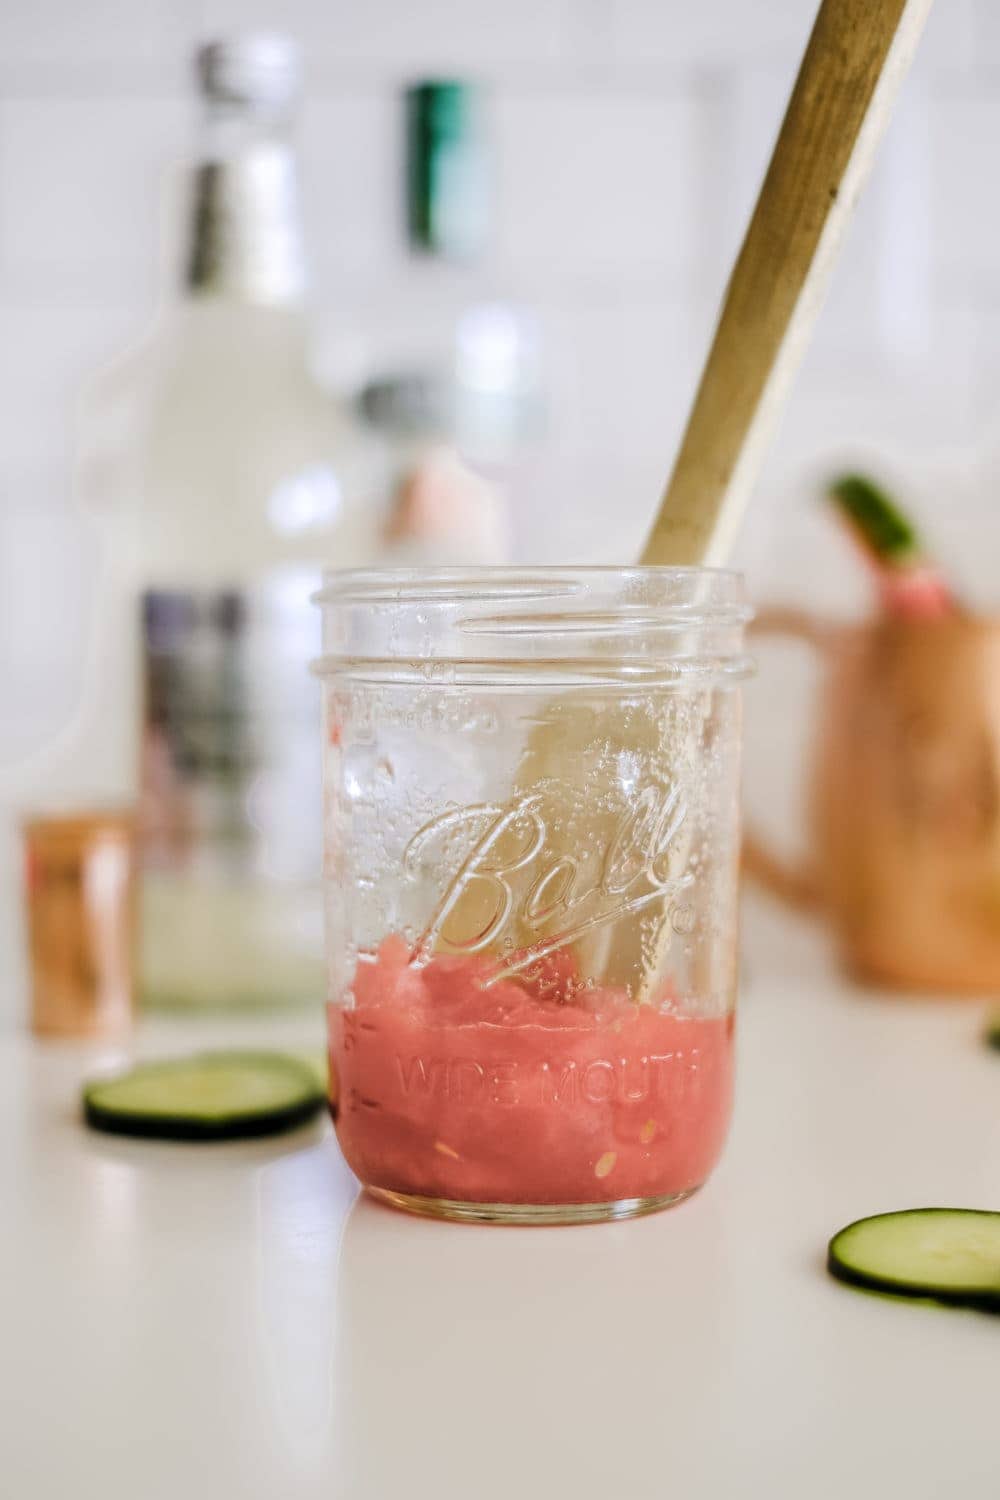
(621, 623)
(514, 582)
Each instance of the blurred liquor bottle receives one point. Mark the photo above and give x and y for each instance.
(226, 478)
(456, 414)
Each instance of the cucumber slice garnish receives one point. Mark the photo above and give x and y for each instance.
(878, 522)
(213, 1096)
(948, 1254)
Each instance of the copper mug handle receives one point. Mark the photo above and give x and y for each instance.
(796, 882)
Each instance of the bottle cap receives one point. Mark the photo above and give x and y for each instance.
(262, 70)
(449, 173)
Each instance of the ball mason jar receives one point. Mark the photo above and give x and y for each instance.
(531, 844)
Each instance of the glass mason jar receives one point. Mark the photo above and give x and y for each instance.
(531, 839)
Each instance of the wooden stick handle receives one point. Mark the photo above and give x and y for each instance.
(857, 57)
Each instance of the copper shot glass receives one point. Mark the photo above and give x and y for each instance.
(80, 900)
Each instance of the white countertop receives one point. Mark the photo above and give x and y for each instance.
(213, 1323)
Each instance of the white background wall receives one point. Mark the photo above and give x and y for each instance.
(631, 136)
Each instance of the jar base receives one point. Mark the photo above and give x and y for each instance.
(528, 1213)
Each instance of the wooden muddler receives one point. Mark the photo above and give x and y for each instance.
(856, 59)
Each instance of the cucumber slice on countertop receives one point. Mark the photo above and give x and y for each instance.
(318, 1063)
(948, 1254)
(209, 1097)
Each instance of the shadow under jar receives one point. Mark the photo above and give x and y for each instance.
(531, 834)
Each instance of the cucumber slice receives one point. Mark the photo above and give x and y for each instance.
(318, 1064)
(210, 1097)
(948, 1254)
(879, 523)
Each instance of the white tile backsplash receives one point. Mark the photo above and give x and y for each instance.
(82, 181)
(47, 353)
(66, 37)
(48, 559)
(586, 509)
(631, 136)
(352, 153)
(621, 372)
(953, 35)
(686, 35)
(402, 37)
(986, 33)
(964, 142)
(600, 182)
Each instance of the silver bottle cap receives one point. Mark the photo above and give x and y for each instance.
(260, 70)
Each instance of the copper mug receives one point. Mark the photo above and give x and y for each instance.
(905, 799)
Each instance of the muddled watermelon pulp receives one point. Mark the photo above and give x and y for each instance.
(530, 1090)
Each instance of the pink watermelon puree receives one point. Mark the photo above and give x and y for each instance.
(524, 1091)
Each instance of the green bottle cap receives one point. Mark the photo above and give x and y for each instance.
(448, 169)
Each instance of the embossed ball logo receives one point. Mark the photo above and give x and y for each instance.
(505, 889)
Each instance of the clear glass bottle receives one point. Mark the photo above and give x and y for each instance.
(225, 476)
(531, 856)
